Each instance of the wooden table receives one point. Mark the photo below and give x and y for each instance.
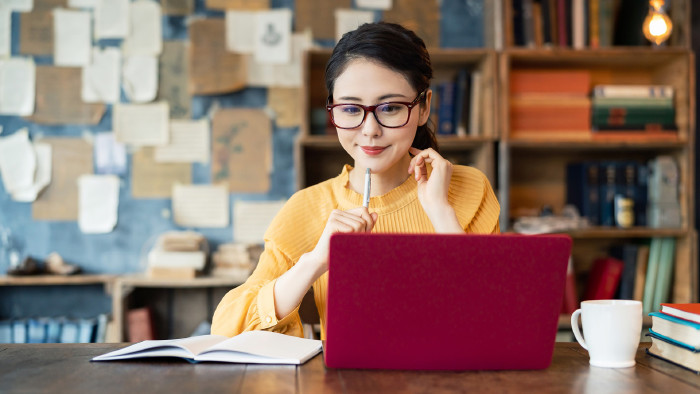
(59, 368)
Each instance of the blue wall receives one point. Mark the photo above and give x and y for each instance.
(141, 219)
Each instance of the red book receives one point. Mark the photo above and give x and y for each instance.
(603, 279)
(575, 83)
(570, 303)
(690, 312)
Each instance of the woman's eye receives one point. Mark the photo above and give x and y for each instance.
(390, 108)
(351, 110)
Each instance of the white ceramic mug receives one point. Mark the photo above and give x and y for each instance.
(612, 329)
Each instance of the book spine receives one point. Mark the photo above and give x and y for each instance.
(633, 91)
(593, 25)
(605, 23)
(446, 125)
(604, 278)
(664, 278)
(617, 102)
(607, 193)
(652, 271)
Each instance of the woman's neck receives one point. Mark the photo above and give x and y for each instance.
(382, 182)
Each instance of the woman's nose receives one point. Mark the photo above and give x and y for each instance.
(371, 127)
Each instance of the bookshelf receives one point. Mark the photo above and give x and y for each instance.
(319, 155)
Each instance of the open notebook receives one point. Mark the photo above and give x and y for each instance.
(252, 347)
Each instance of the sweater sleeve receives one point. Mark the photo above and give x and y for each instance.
(474, 201)
(251, 306)
(485, 220)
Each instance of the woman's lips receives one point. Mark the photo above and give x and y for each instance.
(372, 150)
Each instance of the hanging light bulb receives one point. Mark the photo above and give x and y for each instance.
(657, 26)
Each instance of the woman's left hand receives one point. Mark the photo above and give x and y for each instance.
(432, 191)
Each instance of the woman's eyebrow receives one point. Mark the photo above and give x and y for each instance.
(381, 98)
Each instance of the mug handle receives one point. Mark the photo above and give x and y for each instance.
(576, 330)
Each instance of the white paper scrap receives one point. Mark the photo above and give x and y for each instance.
(349, 20)
(374, 4)
(98, 203)
(145, 36)
(17, 161)
(17, 86)
(189, 142)
(200, 205)
(240, 26)
(82, 3)
(19, 5)
(110, 155)
(273, 31)
(111, 18)
(252, 218)
(72, 39)
(101, 78)
(140, 78)
(141, 124)
(281, 75)
(42, 176)
(5, 30)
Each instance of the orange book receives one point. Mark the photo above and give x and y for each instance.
(571, 82)
(690, 312)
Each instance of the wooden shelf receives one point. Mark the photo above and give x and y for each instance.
(638, 232)
(54, 280)
(204, 281)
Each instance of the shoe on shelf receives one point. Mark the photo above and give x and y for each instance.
(28, 266)
(55, 265)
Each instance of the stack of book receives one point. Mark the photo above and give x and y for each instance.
(177, 255)
(235, 260)
(646, 108)
(675, 335)
(548, 104)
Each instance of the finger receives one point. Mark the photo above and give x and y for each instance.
(364, 216)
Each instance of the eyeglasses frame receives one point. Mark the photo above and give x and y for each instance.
(371, 108)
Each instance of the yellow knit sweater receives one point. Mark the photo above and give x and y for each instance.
(298, 226)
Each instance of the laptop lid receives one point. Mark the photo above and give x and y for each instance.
(444, 302)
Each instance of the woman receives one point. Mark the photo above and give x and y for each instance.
(378, 80)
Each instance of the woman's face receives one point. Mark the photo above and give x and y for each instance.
(371, 145)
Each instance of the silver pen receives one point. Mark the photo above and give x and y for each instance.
(365, 198)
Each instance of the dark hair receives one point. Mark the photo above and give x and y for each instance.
(394, 47)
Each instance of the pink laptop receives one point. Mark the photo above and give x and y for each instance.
(444, 302)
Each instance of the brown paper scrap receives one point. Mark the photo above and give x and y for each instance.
(214, 70)
(238, 4)
(421, 16)
(70, 158)
(286, 102)
(172, 79)
(319, 16)
(150, 179)
(58, 98)
(36, 33)
(242, 149)
(177, 7)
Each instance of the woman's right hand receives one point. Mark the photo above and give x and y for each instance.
(357, 220)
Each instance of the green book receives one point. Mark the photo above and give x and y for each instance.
(664, 276)
(653, 102)
(652, 270)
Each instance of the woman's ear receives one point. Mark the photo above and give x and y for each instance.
(424, 108)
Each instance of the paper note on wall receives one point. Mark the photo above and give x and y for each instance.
(423, 17)
(82, 3)
(238, 4)
(349, 20)
(200, 205)
(36, 33)
(111, 18)
(189, 142)
(374, 4)
(145, 35)
(177, 7)
(273, 31)
(286, 104)
(140, 78)
(172, 79)
(17, 86)
(318, 15)
(28, 5)
(141, 124)
(58, 98)
(101, 78)
(240, 31)
(71, 158)
(98, 202)
(252, 218)
(110, 155)
(17, 161)
(5, 30)
(150, 179)
(42, 175)
(212, 68)
(282, 75)
(72, 44)
(242, 149)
